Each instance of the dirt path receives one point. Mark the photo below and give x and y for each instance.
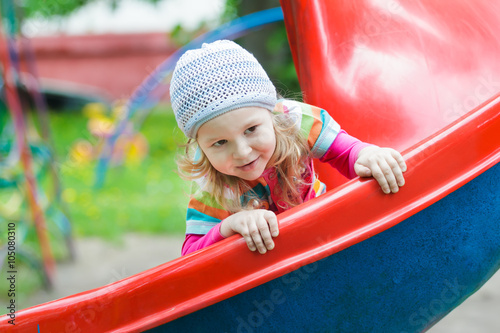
(100, 263)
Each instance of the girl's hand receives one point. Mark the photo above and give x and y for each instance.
(385, 165)
(258, 227)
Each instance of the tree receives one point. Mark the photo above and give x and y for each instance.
(61, 8)
(269, 45)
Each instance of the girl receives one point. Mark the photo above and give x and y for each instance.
(250, 156)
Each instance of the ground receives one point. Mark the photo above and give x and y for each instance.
(99, 263)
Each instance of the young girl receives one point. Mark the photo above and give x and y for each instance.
(250, 156)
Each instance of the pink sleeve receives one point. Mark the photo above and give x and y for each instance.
(343, 153)
(194, 242)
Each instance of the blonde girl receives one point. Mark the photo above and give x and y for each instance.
(250, 155)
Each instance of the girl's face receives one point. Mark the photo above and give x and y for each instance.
(240, 142)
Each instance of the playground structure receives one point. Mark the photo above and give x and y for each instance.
(33, 219)
(418, 76)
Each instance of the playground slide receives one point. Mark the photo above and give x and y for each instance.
(420, 76)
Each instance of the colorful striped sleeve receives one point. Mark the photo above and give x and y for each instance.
(315, 123)
(203, 211)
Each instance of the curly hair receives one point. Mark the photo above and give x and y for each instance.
(291, 159)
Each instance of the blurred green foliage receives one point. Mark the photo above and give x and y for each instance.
(269, 45)
(146, 196)
(230, 10)
(61, 8)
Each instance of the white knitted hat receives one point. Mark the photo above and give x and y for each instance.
(217, 78)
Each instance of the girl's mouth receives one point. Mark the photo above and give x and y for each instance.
(249, 166)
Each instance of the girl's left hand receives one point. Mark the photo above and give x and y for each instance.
(386, 165)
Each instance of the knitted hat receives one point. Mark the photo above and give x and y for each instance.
(217, 78)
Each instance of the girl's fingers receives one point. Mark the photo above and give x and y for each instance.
(265, 234)
(257, 239)
(398, 174)
(379, 175)
(394, 175)
(390, 177)
(272, 221)
(257, 227)
(391, 180)
(248, 239)
(399, 159)
(386, 165)
(390, 172)
(263, 231)
(398, 167)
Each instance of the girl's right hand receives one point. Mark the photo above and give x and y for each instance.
(258, 227)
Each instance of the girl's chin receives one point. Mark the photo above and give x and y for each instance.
(250, 176)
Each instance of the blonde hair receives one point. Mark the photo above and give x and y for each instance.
(291, 159)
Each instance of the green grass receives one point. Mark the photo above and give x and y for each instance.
(146, 196)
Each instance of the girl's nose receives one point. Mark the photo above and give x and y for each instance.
(242, 149)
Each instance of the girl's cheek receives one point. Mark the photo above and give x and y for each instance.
(271, 139)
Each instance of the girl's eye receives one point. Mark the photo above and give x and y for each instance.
(251, 129)
(219, 143)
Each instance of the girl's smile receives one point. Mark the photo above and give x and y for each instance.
(250, 165)
(240, 142)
